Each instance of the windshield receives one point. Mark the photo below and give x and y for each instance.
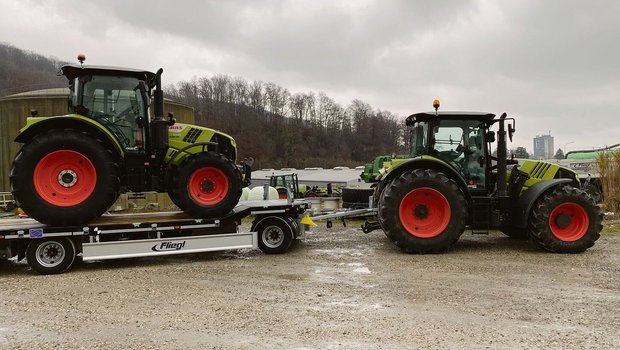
(116, 102)
(458, 142)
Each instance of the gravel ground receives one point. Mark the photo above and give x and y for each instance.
(338, 289)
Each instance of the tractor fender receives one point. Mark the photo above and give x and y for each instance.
(428, 162)
(521, 211)
(38, 125)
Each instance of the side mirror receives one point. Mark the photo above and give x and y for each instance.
(171, 119)
(490, 136)
(511, 130)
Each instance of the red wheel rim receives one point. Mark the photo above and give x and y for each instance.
(65, 178)
(424, 212)
(208, 186)
(569, 222)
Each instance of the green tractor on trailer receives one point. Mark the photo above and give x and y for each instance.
(72, 168)
(450, 181)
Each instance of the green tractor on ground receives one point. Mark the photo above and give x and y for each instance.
(72, 168)
(289, 182)
(450, 181)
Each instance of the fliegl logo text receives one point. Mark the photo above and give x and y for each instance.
(168, 246)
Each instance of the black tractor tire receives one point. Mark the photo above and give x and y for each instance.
(64, 178)
(275, 233)
(423, 211)
(356, 197)
(515, 232)
(207, 185)
(49, 256)
(282, 193)
(565, 220)
(310, 194)
(594, 191)
(377, 198)
(171, 175)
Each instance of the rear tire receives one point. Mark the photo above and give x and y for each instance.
(207, 186)
(282, 193)
(565, 220)
(423, 211)
(595, 192)
(50, 255)
(64, 178)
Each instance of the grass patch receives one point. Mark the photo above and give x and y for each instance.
(609, 167)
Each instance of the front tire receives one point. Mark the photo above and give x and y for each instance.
(423, 211)
(50, 255)
(207, 186)
(64, 178)
(565, 220)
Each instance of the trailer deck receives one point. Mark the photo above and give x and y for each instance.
(50, 249)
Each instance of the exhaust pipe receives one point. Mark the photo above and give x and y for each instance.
(159, 126)
(501, 157)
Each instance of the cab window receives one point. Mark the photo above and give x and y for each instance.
(116, 103)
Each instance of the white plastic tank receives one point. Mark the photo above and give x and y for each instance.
(330, 203)
(256, 194)
(245, 193)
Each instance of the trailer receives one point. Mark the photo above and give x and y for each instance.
(53, 250)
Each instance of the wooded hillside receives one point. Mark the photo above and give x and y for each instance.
(22, 71)
(283, 129)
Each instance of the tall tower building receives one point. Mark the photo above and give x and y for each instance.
(543, 147)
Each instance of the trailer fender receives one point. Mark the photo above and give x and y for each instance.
(521, 211)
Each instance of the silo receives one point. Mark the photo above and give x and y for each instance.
(49, 102)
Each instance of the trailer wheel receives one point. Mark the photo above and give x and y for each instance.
(423, 211)
(207, 186)
(50, 255)
(275, 234)
(565, 220)
(64, 177)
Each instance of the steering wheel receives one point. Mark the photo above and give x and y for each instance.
(113, 126)
(452, 154)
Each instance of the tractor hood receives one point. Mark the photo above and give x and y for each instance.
(183, 135)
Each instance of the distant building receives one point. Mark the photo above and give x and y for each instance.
(543, 147)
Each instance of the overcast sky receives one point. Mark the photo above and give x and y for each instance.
(552, 65)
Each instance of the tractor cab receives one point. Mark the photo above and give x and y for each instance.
(455, 138)
(283, 183)
(117, 98)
